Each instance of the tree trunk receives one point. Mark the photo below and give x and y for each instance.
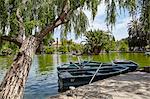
(14, 81)
(96, 50)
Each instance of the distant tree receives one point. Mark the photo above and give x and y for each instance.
(137, 36)
(63, 49)
(145, 18)
(111, 45)
(49, 40)
(123, 45)
(139, 28)
(97, 40)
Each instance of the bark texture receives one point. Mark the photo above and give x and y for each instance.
(14, 81)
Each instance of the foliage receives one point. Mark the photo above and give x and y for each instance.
(137, 35)
(97, 40)
(41, 13)
(63, 49)
(49, 50)
(139, 28)
(111, 46)
(8, 48)
(76, 48)
(145, 16)
(48, 40)
(70, 46)
(122, 45)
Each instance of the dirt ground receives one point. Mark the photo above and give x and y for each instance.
(135, 85)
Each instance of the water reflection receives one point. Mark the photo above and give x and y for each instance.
(140, 58)
(64, 58)
(42, 80)
(46, 63)
(5, 63)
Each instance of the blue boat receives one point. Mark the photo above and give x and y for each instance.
(78, 77)
(131, 64)
(77, 74)
(93, 65)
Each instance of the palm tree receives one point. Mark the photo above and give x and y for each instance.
(96, 41)
(145, 15)
(133, 29)
(145, 18)
(21, 16)
(139, 29)
(137, 37)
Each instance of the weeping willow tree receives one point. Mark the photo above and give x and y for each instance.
(18, 19)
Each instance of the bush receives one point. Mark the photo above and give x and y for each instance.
(123, 46)
(49, 50)
(6, 51)
(63, 49)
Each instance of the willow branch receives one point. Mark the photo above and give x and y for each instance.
(11, 39)
(60, 20)
(21, 35)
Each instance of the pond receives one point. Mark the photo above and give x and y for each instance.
(42, 79)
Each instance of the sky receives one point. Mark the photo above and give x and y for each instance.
(119, 31)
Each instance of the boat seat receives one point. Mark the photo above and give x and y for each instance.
(66, 74)
(92, 72)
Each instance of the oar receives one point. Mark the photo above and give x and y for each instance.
(113, 63)
(95, 73)
(77, 66)
(79, 61)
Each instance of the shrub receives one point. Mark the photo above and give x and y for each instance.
(49, 50)
(63, 49)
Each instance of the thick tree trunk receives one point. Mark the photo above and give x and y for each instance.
(14, 81)
(13, 84)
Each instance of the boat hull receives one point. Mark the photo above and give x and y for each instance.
(132, 65)
(78, 78)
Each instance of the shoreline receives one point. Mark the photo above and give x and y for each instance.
(84, 54)
(134, 85)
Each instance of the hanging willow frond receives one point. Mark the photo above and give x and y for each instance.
(41, 13)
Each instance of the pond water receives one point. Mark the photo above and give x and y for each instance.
(42, 79)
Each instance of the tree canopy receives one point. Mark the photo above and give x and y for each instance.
(139, 27)
(32, 16)
(137, 35)
(98, 40)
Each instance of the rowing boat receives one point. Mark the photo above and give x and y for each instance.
(78, 77)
